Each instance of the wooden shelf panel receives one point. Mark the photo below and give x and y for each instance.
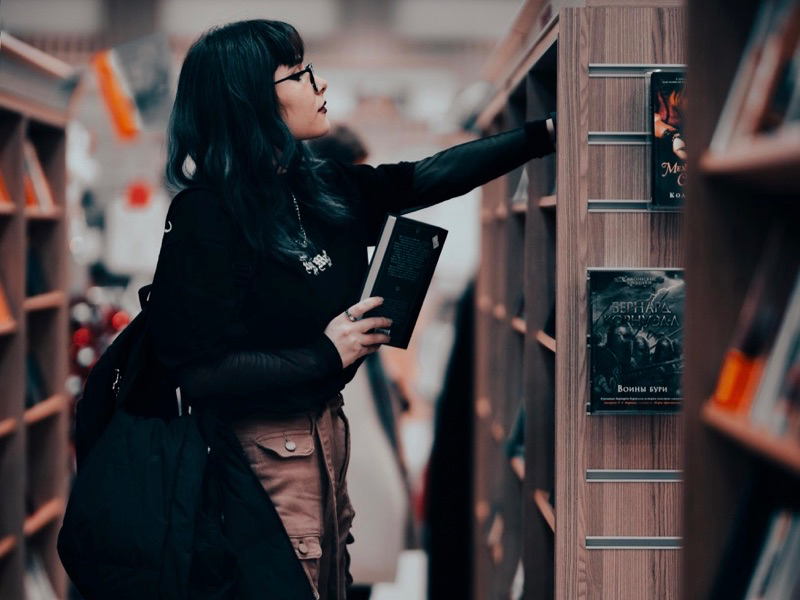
(519, 208)
(499, 312)
(542, 500)
(8, 328)
(36, 214)
(547, 202)
(45, 409)
(7, 209)
(8, 427)
(546, 341)
(519, 325)
(46, 301)
(768, 161)
(7, 545)
(784, 452)
(44, 515)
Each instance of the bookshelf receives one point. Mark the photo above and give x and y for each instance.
(585, 207)
(739, 471)
(36, 93)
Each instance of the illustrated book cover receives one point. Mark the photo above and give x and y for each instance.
(667, 109)
(401, 271)
(635, 340)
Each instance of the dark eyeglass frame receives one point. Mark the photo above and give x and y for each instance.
(309, 68)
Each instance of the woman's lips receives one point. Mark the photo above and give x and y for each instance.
(323, 110)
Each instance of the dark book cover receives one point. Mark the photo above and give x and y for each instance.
(401, 271)
(635, 340)
(667, 108)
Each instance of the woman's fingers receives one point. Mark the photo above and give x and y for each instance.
(374, 339)
(359, 309)
(369, 323)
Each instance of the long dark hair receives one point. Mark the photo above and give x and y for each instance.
(226, 120)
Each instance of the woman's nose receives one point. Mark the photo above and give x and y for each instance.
(322, 84)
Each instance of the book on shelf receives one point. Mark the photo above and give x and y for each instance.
(767, 54)
(635, 340)
(777, 399)
(37, 189)
(5, 196)
(401, 270)
(5, 309)
(667, 113)
(757, 324)
(775, 575)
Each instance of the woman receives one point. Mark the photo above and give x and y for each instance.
(269, 341)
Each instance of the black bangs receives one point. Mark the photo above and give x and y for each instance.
(288, 46)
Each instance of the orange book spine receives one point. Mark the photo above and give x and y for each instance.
(123, 111)
(734, 379)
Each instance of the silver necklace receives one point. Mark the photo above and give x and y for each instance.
(321, 261)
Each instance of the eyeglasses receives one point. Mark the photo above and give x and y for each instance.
(297, 77)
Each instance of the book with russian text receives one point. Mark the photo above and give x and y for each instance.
(635, 340)
(667, 108)
(401, 270)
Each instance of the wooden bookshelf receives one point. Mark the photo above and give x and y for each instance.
(733, 200)
(36, 96)
(541, 261)
(44, 516)
(519, 208)
(547, 341)
(8, 426)
(47, 301)
(519, 325)
(783, 452)
(548, 202)
(542, 500)
(7, 545)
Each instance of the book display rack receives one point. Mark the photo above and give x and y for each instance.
(598, 511)
(742, 380)
(35, 96)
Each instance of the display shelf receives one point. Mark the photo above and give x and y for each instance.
(499, 312)
(8, 209)
(542, 500)
(7, 545)
(783, 452)
(519, 325)
(547, 202)
(36, 214)
(546, 340)
(762, 161)
(46, 301)
(46, 514)
(45, 409)
(519, 209)
(8, 426)
(8, 328)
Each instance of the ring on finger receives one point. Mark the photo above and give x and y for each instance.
(349, 315)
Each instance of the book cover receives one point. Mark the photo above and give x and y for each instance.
(401, 271)
(5, 196)
(635, 340)
(5, 309)
(667, 109)
(37, 188)
(756, 327)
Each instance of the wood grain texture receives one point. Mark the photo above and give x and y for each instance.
(633, 509)
(619, 172)
(618, 104)
(620, 240)
(633, 574)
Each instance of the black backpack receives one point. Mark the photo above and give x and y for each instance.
(130, 526)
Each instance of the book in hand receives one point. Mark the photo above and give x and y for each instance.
(635, 340)
(667, 106)
(400, 272)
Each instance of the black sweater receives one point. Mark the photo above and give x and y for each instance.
(270, 354)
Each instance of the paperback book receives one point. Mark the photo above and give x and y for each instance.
(667, 109)
(401, 271)
(635, 340)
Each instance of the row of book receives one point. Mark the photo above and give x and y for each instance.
(760, 374)
(38, 193)
(775, 575)
(765, 93)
